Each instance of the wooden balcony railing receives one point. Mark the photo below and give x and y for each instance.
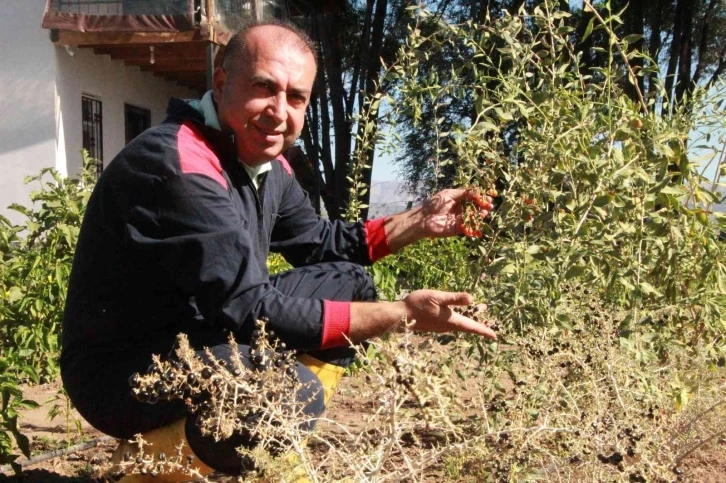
(175, 39)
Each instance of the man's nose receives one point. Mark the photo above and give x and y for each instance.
(277, 107)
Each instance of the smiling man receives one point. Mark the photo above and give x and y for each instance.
(176, 237)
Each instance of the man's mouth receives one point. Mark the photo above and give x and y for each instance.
(266, 132)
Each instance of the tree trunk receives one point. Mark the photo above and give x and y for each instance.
(686, 52)
(674, 51)
(656, 22)
(634, 25)
(341, 126)
(365, 39)
(703, 45)
(372, 78)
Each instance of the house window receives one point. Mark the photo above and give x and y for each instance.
(93, 129)
(137, 121)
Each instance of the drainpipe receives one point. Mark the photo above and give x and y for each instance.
(211, 50)
(257, 9)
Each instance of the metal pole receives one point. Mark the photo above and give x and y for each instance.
(257, 10)
(210, 43)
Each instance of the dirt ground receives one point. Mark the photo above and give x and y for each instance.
(78, 467)
(707, 466)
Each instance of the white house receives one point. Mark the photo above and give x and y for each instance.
(99, 72)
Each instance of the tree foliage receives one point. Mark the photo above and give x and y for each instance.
(682, 43)
(354, 42)
(583, 171)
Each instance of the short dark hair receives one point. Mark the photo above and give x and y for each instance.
(236, 48)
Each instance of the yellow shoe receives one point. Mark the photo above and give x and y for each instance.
(328, 374)
(160, 457)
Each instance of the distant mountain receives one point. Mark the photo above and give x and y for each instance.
(388, 198)
(721, 207)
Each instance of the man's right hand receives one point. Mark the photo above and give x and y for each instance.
(431, 311)
(428, 310)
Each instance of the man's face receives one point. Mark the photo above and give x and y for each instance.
(263, 102)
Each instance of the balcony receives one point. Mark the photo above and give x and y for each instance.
(173, 39)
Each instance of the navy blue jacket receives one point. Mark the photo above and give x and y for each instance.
(176, 237)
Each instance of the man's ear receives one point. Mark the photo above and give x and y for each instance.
(219, 80)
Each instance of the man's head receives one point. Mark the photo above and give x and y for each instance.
(263, 88)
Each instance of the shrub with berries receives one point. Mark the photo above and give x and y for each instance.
(253, 394)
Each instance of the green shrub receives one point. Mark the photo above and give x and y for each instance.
(601, 262)
(594, 187)
(35, 262)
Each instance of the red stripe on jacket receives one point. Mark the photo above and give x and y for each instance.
(286, 166)
(196, 155)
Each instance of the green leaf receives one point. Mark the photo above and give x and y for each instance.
(575, 271)
(647, 288)
(534, 249)
(632, 38)
(674, 189)
(479, 103)
(502, 268)
(14, 294)
(503, 115)
(589, 28)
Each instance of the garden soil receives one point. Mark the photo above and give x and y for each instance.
(347, 408)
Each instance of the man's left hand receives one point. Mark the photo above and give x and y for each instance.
(440, 216)
(442, 213)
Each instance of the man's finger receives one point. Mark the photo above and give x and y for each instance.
(458, 194)
(488, 206)
(465, 324)
(453, 298)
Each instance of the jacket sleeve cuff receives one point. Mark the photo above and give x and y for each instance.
(336, 324)
(376, 239)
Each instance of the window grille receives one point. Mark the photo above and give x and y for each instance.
(93, 129)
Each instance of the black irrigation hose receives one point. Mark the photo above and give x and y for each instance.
(59, 452)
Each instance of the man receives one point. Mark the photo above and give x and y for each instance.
(176, 237)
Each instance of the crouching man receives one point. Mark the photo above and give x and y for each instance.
(176, 237)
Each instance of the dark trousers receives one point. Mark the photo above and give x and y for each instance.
(107, 403)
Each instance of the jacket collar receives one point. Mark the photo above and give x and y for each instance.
(222, 142)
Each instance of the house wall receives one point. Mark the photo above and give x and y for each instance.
(85, 73)
(40, 100)
(27, 100)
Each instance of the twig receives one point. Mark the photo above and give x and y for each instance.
(698, 445)
(625, 57)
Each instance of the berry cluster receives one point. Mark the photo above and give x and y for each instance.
(405, 377)
(223, 389)
(472, 222)
(144, 463)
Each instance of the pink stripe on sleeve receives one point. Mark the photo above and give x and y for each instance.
(376, 239)
(336, 323)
